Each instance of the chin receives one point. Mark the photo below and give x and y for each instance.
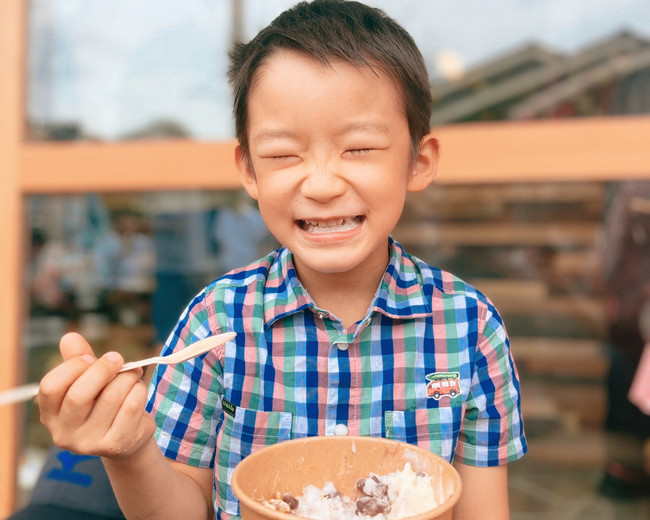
(329, 263)
(333, 267)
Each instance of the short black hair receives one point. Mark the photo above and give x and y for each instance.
(344, 30)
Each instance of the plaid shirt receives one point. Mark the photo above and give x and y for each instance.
(430, 365)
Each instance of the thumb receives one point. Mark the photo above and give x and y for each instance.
(74, 345)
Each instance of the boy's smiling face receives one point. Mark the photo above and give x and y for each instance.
(330, 161)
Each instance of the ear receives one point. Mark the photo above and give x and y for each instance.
(425, 166)
(246, 173)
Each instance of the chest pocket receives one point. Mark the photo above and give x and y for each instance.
(434, 429)
(245, 433)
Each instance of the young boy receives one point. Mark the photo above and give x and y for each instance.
(339, 332)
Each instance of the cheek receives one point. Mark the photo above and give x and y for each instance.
(391, 201)
(392, 187)
(274, 211)
(266, 211)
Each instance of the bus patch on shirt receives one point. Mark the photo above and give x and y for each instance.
(443, 384)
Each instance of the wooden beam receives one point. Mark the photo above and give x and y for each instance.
(533, 151)
(130, 166)
(12, 37)
(598, 149)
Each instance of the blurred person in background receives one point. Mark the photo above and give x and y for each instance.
(124, 262)
(626, 265)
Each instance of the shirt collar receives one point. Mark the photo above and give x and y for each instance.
(283, 292)
(401, 293)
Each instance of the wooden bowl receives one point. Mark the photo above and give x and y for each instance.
(289, 466)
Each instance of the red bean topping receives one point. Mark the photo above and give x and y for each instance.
(381, 490)
(371, 506)
(290, 500)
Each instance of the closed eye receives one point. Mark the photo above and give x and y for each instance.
(360, 151)
(278, 157)
(281, 160)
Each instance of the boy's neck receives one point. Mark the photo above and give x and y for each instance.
(345, 295)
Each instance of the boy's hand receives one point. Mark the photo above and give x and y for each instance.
(91, 409)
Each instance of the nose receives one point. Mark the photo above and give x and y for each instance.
(323, 181)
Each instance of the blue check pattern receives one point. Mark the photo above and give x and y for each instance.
(294, 371)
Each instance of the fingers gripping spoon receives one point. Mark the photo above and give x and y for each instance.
(27, 392)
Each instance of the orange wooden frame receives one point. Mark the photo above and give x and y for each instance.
(12, 36)
(596, 149)
(527, 151)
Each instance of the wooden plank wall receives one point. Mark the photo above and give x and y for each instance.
(534, 249)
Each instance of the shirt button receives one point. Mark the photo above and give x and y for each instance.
(340, 429)
(321, 315)
(342, 346)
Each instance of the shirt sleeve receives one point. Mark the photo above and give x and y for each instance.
(492, 431)
(184, 399)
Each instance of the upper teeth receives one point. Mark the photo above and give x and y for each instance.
(335, 224)
(328, 223)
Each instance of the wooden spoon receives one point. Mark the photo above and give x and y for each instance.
(27, 392)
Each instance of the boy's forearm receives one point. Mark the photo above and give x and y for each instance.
(147, 486)
(484, 495)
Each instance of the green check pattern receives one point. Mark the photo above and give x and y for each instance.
(294, 371)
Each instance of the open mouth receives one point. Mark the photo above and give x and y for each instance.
(335, 225)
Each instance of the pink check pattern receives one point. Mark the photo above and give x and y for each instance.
(294, 371)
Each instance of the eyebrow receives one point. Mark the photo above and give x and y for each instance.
(270, 134)
(367, 125)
